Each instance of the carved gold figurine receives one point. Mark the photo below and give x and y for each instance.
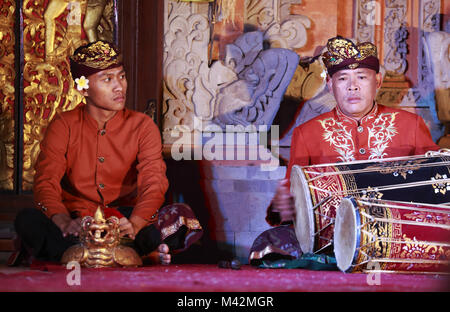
(100, 245)
(94, 13)
(53, 10)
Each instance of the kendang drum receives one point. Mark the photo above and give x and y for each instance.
(392, 236)
(318, 190)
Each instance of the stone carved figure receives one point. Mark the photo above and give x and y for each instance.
(191, 83)
(263, 77)
(439, 50)
(281, 28)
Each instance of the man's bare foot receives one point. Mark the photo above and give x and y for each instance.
(159, 256)
(164, 255)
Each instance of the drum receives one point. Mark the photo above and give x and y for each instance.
(318, 190)
(392, 236)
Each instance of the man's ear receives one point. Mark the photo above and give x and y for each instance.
(379, 78)
(329, 84)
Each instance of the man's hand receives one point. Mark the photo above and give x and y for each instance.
(66, 224)
(126, 228)
(283, 202)
(138, 223)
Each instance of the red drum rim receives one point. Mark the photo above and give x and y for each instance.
(304, 217)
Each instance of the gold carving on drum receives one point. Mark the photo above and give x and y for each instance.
(370, 193)
(413, 249)
(402, 168)
(319, 189)
(398, 236)
(426, 217)
(440, 187)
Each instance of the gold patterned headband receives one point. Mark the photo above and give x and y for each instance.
(344, 54)
(94, 57)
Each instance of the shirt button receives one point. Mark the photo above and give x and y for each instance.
(360, 129)
(101, 185)
(102, 132)
(362, 151)
(101, 159)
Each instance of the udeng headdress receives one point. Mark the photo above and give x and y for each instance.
(344, 54)
(94, 57)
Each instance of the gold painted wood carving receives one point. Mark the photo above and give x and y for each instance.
(52, 30)
(100, 245)
(7, 94)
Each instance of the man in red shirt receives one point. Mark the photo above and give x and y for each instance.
(103, 155)
(356, 129)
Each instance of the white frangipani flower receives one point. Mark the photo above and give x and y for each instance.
(82, 83)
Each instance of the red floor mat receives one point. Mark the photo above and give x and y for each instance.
(210, 278)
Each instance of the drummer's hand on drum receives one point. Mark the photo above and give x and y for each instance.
(283, 202)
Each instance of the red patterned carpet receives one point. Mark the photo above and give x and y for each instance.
(210, 278)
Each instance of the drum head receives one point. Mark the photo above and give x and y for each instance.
(345, 234)
(304, 219)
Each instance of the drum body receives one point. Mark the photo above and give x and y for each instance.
(318, 190)
(390, 236)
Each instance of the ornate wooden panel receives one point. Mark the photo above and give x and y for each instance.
(7, 94)
(52, 30)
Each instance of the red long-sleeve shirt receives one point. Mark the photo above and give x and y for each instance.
(333, 137)
(81, 167)
(384, 132)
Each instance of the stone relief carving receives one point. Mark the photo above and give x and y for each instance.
(187, 77)
(395, 37)
(422, 95)
(439, 47)
(429, 10)
(192, 87)
(366, 19)
(254, 98)
(281, 29)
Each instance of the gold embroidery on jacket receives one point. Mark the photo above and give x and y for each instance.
(380, 135)
(337, 134)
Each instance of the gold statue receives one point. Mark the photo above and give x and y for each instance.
(100, 245)
(53, 10)
(94, 14)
